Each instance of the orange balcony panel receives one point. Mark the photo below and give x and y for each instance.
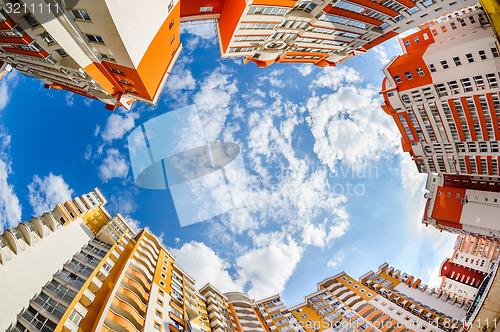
(376, 6)
(130, 309)
(373, 314)
(42, 54)
(121, 321)
(7, 25)
(24, 40)
(140, 276)
(137, 285)
(134, 297)
(407, 3)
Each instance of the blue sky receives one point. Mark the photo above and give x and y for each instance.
(329, 188)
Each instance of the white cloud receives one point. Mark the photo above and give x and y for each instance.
(335, 77)
(123, 202)
(213, 102)
(46, 193)
(267, 269)
(70, 99)
(348, 124)
(336, 259)
(118, 125)
(88, 152)
(113, 166)
(273, 78)
(304, 69)
(10, 209)
(8, 82)
(203, 264)
(381, 54)
(203, 30)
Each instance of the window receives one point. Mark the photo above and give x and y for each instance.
(160, 302)
(303, 316)
(161, 292)
(61, 52)
(117, 71)
(416, 40)
(444, 64)
(171, 24)
(31, 21)
(107, 57)
(162, 283)
(407, 43)
(81, 14)
(420, 72)
(124, 82)
(408, 75)
(432, 68)
(482, 55)
(469, 57)
(457, 61)
(494, 51)
(95, 39)
(159, 313)
(163, 275)
(157, 326)
(47, 38)
(206, 9)
(164, 268)
(172, 40)
(397, 79)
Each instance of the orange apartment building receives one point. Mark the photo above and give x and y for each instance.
(469, 265)
(93, 50)
(443, 94)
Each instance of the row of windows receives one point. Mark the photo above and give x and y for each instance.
(469, 57)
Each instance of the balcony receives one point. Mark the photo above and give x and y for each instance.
(35, 322)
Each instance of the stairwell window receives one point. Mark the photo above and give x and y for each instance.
(157, 326)
(444, 63)
(482, 55)
(159, 313)
(206, 9)
(95, 39)
(408, 75)
(397, 79)
(31, 20)
(470, 58)
(81, 14)
(62, 52)
(117, 71)
(457, 61)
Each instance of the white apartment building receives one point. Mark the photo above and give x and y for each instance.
(443, 94)
(114, 51)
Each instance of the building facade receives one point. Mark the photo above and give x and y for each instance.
(443, 94)
(469, 265)
(386, 300)
(92, 49)
(108, 277)
(467, 205)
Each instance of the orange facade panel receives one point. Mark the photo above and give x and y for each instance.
(194, 7)
(7, 25)
(230, 16)
(375, 6)
(24, 40)
(41, 54)
(448, 204)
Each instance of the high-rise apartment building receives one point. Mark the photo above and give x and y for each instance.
(469, 265)
(275, 316)
(443, 94)
(463, 204)
(317, 31)
(93, 50)
(386, 300)
(77, 268)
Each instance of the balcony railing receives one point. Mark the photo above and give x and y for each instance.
(33, 321)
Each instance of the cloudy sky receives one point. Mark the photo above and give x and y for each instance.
(328, 186)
